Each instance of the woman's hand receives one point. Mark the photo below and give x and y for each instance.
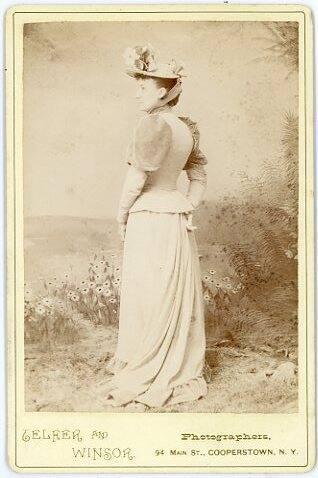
(190, 226)
(122, 231)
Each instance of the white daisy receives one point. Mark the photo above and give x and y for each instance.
(39, 309)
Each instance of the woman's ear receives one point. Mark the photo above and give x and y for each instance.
(162, 92)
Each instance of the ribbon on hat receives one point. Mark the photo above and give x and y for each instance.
(172, 93)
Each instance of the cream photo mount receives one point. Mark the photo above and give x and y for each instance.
(71, 442)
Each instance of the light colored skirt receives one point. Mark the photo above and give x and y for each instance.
(161, 339)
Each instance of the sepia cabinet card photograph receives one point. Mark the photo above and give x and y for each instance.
(160, 251)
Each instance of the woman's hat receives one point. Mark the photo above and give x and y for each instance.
(140, 60)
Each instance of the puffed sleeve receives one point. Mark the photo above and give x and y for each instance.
(194, 167)
(150, 144)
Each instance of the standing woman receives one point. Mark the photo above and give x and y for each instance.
(161, 340)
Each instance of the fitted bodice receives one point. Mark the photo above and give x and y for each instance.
(173, 163)
(160, 191)
(163, 145)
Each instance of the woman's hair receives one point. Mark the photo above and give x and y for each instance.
(167, 83)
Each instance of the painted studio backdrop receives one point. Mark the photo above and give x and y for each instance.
(79, 110)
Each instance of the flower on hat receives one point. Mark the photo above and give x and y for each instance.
(152, 65)
(141, 57)
(130, 55)
(175, 67)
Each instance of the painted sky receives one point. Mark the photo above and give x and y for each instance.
(80, 107)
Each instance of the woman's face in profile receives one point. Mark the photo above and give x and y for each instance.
(148, 93)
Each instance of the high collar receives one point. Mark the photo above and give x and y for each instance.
(158, 109)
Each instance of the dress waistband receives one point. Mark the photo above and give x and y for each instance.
(158, 199)
(151, 187)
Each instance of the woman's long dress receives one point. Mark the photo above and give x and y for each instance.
(161, 339)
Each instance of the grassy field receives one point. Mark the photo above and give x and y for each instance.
(71, 377)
